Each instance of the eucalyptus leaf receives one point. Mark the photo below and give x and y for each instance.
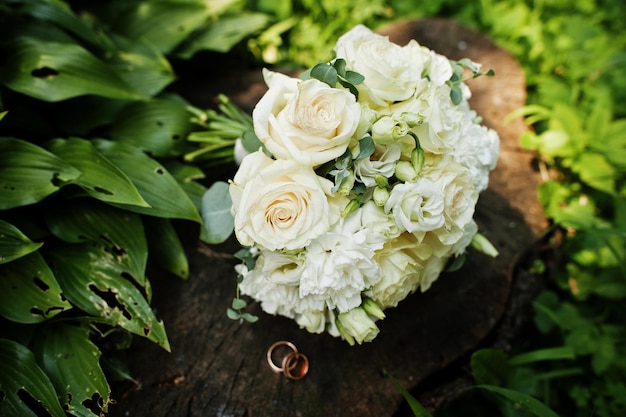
(53, 71)
(155, 184)
(21, 378)
(222, 34)
(13, 243)
(163, 23)
(71, 361)
(29, 173)
(218, 220)
(100, 178)
(120, 232)
(165, 247)
(92, 278)
(325, 73)
(532, 405)
(29, 292)
(157, 126)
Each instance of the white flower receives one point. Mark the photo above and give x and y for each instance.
(391, 72)
(383, 163)
(280, 204)
(339, 266)
(356, 325)
(417, 206)
(305, 121)
(239, 152)
(377, 221)
(314, 321)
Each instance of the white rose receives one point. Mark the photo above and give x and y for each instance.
(356, 325)
(417, 206)
(305, 121)
(391, 72)
(280, 204)
(377, 221)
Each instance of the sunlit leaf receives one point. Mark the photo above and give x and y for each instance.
(100, 178)
(29, 292)
(120, 232)
(13, 243)
(157, 187)
(157, 126)
(165, 247)
(22, 379)
(29, 173)
(52, 71)
(595, 171)
(92, 278)
(222, 34)
(71, 361)
(548, 354)
(531, 404)
(218, 220)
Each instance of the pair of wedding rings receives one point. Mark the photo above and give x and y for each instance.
(294, 365)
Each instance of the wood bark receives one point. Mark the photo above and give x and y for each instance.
(217, 366)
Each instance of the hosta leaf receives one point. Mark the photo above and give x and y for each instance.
(141, 65)
(120, 232)
(92, 278)
(165, 247)
(71, 361)
(218, 220)
(53, 71)
(13, 243)
(29, 292)
(101, 179)
(21, 378)
(157, 126)
(222, 34)
(29, 173)
(155, 184)
(164, 24)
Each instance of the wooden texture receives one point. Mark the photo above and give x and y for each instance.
(217, 366)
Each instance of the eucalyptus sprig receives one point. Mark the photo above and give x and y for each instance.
(458, 67)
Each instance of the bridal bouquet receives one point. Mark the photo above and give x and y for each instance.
(364, 187)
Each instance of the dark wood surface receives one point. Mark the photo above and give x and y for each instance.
(217, 367)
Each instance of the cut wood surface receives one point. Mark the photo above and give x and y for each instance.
(217, 366)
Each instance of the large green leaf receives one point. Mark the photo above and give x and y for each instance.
(29, 173)
(158, 126)
(141, 65)
(92, 278)
(155, 184)
(165, 246)
(55, 71)
(163, 23)
(222, 34)
(29, 292)
(21, 378)
(13, 243)
(71, 361)
(217, 219)
(120, 232)
(101, 179)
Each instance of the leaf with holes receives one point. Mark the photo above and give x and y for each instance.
(27, 391)
(55, 71)
(158, 127)
(101, 179)
(92, 279)
(164, 24)
(165, 247)
(156, 185)
(29, 292)
(121, 233)
(71, 361)
(13, 243)
(29, 173)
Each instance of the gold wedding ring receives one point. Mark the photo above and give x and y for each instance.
(294, 365)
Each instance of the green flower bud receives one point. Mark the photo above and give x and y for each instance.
(405, 172)
(381, 180)
(373, 309)
(346, 184)
(481, 244)
(417, 159)
(353, 205)
(380, 196)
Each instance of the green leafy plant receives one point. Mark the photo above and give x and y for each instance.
(93, 181)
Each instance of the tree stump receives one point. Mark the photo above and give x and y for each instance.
(217, 366)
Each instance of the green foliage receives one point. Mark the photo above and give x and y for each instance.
(92, 178)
